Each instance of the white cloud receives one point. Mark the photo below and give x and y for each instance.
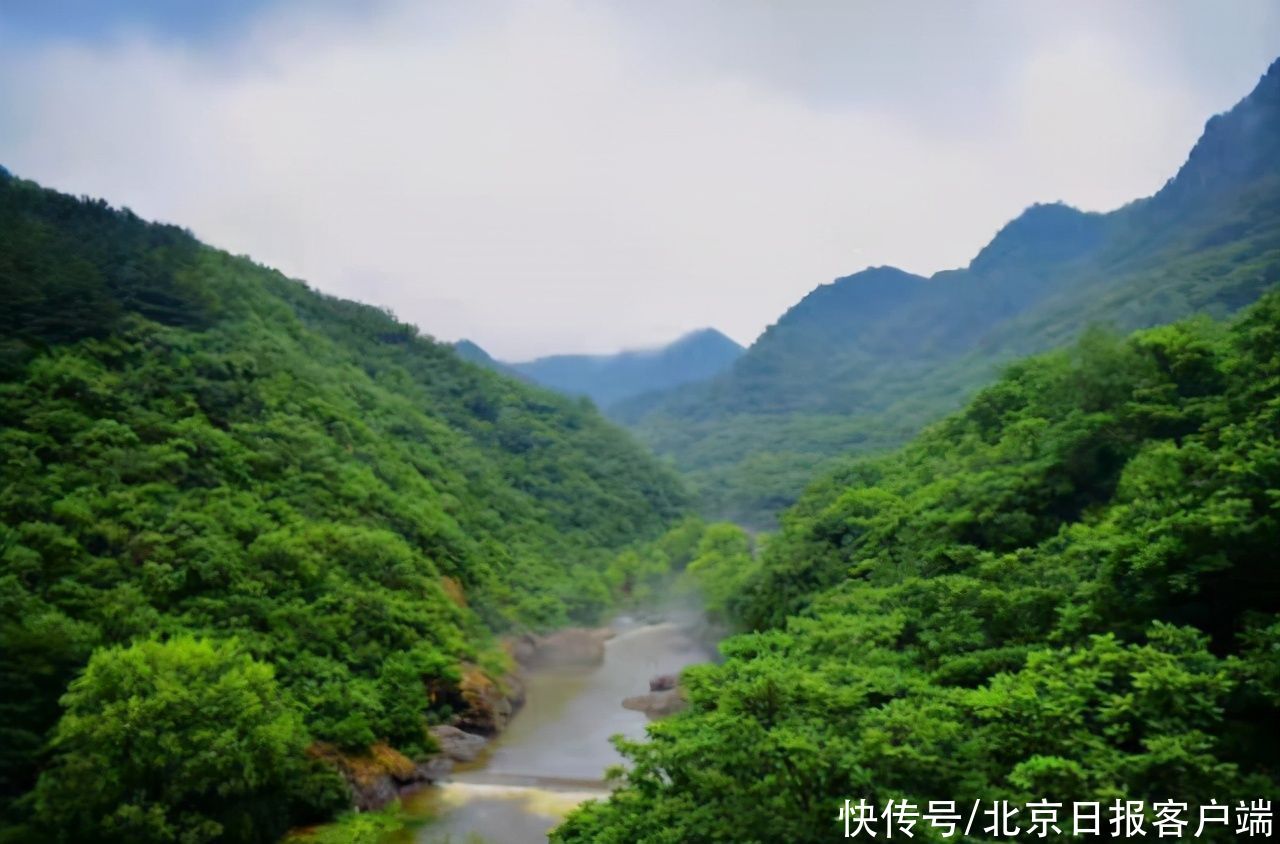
(555, 176)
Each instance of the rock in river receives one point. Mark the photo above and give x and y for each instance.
(663, 682)
(574, 646)
(657, 704)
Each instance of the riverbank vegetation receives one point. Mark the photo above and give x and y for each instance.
(695, 565)
(255, 539)
(240, 518)
(1067, 590)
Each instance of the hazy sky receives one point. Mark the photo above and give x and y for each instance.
(556, 176)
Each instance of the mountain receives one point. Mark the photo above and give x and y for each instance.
(864, 362)
(221, 489)
(472, 353)
(608, 379)
(1068, 587)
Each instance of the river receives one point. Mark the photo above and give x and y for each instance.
(554, 753)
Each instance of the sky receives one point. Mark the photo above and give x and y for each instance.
(563, 176)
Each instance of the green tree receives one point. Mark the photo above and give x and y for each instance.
(180, 741)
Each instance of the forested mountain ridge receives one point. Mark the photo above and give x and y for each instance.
(469, 351)
(260, 519)
(609, 379)
(1067, 591)
(862, 363)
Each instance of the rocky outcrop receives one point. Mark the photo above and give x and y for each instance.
(458, 745)
(484, 705)
(380, 774)
(573, 646)
(488, 704)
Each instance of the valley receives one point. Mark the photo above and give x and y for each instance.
(278, 565)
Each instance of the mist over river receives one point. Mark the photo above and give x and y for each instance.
(554, 754)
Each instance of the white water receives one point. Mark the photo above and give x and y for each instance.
(554, 754)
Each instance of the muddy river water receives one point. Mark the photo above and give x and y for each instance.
(554, 753)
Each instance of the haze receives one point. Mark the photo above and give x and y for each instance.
(555, 176)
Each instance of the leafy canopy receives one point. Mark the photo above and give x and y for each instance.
(1068, 591)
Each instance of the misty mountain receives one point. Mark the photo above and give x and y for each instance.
(864, 362)
(608, 379)
(472, 352)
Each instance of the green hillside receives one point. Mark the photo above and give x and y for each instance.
(263, 518)
(863, 363)
(1067, 591)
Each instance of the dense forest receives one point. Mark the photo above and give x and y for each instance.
(862, 364)
(1067, 590)
(242, 521)
(254, 537)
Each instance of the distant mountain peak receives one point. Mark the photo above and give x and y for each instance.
(1049, 231)
(607, 379)
(866, 292)
(882, 273)
(704, 337)
(468, 350)
(1237, 146)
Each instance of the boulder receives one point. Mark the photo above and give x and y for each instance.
(433, 769)
(663, 682)
(657, 704)
(573, 646)
(523, 649)
(456, 744)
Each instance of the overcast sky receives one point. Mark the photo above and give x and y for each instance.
(555, 176)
